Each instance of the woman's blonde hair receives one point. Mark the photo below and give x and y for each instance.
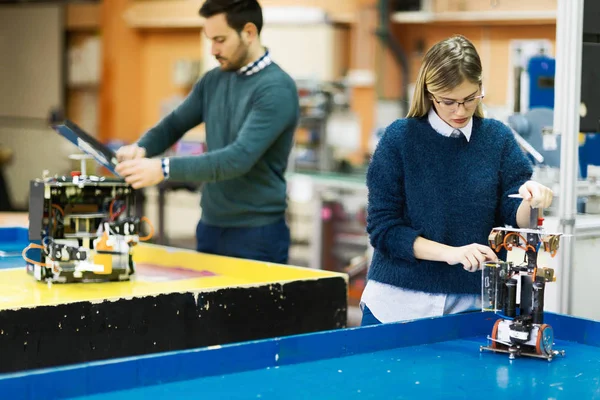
(445, 66)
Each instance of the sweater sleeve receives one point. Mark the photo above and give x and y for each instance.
(274, 109)
(515, 170)
(389, 231)
(171, 128)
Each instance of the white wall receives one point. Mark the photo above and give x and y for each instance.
(31, 49)
(30, 60)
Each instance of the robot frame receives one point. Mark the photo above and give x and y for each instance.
(521, 330)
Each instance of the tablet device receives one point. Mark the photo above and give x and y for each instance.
(88, 144)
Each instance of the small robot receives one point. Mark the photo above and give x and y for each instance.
(521, 330)
(82, 228)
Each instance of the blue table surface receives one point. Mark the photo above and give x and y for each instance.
(429, 358)
(449, 370)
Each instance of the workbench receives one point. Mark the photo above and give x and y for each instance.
(178, 299)
(429, 359)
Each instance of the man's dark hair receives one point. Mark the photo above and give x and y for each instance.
(237, 12)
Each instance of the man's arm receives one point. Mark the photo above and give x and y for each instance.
(273, 111)
(170, 129)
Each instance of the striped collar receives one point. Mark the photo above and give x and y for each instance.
(256, 66)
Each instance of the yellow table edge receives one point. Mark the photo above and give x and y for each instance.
(19, 290)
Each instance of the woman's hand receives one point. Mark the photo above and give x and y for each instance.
(536, 195)
(470, 256)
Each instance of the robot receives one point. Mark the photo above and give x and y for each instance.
(521, 330)
(82, 228)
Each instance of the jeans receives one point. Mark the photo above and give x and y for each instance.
(268, 243)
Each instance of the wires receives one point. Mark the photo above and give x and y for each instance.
(504, 316)
(57, 215)
(112, 215)
(59, 208)
(30, 261)
(145, 238)
(510, 246)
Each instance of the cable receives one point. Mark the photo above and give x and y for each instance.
(33, 246)
(504, 316)
(59, 208)
(145, 238)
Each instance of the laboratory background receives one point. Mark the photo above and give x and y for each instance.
(110, 70)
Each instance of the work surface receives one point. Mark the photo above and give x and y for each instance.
(430, 358)
(178, 299)
(159, 270)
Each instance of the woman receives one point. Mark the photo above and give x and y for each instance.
(438, 182)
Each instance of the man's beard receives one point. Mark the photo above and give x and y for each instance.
(238, 59)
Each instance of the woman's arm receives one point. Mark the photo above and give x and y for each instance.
(470, 256)
(389, 229)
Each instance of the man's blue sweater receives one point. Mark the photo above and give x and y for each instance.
(443, 189)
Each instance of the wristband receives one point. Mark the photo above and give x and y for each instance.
(165, 167)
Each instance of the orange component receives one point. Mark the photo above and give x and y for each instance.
(508, 245)
(103, 243)
(495, 344)
(75, 173)
(104, 259)
(538, 344)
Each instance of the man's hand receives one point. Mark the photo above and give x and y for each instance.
(470, 256)
(536, 195)
(141, 172)
(130, 152)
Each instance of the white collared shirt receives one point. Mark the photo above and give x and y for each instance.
(257, 65)
(441, 127)
(391, 304)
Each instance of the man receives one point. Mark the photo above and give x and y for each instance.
(250, 108)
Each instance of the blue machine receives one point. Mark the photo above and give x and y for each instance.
(530, 125)
(541, 71)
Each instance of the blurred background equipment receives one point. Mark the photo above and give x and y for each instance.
(32, 86)
(329, 131)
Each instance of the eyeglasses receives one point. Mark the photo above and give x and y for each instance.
(452, 105)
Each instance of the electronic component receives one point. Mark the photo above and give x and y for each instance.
(521, 330)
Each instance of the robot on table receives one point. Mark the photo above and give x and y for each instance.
(521, 330)
(82, 228)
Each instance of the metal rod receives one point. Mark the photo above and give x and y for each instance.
(569, 31)
(526, 146)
